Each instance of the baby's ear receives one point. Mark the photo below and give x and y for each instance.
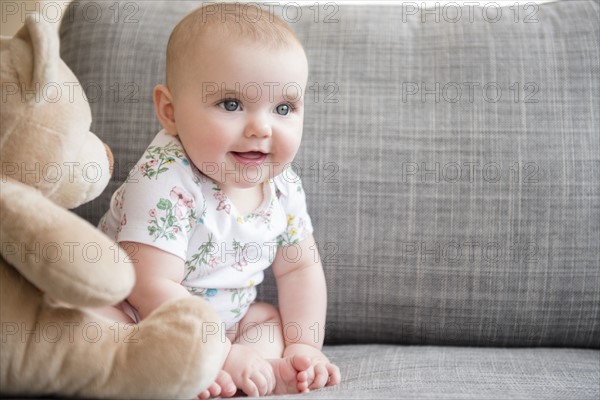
(164, 109)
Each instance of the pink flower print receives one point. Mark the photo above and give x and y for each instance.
(119, 199)
(103, 225)
(267, 215)
(213, 262)
(223, 206)
(181, 197)
(220, 196)
(179, 215)
(123, 223)
(183, 202)
(239, 265)
(152, 213)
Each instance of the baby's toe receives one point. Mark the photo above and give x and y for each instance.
(335, 376)
(286, 372)
(228, 391)
(302, 387)
(302, 376)
(301, 363)
(215, 390)
(321, 377)
(212, 391)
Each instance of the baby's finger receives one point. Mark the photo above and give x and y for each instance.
(226, 383)
(321, 376)
(335, 376)
(249, 388)
(261, 382)
(271, 381)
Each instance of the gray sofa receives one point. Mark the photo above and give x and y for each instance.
(451, 160)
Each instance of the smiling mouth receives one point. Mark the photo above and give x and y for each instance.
(249, 157)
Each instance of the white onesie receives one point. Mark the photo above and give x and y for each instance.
(168, 203)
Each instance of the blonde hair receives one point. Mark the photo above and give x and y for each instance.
(245, 21)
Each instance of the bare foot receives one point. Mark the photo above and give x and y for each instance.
(288, 377)
(223, 386)
(319, 375)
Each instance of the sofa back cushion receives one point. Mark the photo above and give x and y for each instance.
(451, 159)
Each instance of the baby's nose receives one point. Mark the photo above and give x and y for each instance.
(259, 127)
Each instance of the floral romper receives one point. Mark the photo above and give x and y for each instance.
(168, 203)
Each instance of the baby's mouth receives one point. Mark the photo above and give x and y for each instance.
(249, 157)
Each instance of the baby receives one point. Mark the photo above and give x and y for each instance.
(213, 202)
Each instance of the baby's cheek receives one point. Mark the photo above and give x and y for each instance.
(289, 149)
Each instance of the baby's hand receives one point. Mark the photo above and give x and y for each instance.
(249, 371)
(321, 372)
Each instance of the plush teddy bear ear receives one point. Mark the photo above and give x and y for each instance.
(43, 38)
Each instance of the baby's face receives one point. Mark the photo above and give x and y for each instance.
(239, 108)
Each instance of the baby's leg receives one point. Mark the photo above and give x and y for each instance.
(261, 329)
(114, 313)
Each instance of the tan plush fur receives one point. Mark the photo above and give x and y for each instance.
(55, 265)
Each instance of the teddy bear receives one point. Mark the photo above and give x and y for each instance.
(56, 269)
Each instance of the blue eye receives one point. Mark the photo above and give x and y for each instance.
(283, 109)
(230, 105)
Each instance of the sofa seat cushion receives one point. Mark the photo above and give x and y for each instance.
(440, 372)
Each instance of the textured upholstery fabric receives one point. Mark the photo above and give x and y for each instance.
(438, 372)
(466, 215)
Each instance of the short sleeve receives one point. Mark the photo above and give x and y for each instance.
(293, 200)
(157, 204)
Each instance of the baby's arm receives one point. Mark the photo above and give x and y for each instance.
(302, 292)
(158, 277)
(302, 295)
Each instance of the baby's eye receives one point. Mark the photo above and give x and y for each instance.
(283, 109)
(230, 105)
